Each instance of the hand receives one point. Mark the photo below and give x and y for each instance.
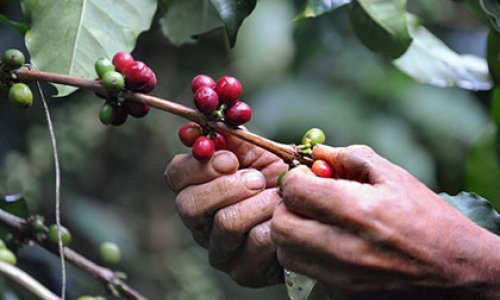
(227, 204)
(376, 228)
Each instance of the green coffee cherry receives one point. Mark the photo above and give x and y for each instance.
(103, 65)
(281, 177)
(13, 58)
(313, 137)
(38, 224)
(20, 96)
(65, 235)
(7, 256)
(113, 114)
(113, 81)
(110, 253)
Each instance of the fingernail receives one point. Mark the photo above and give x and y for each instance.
(254, 180)
(224, 162)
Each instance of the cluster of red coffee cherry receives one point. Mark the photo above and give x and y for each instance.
(123, 72)
(219, 101)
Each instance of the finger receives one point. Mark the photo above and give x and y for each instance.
(324, 244)
(197, 203)
(257, 264)
(327, 200)
(233, 223)
(252, 156)
(357, 162)
(184, 170)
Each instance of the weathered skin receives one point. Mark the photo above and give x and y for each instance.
(374, 232)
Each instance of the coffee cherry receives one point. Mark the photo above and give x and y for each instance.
(113, 114)
(136, 109)
(121, 60)
(322, 169)
(137, 75)
(203, 148)
(281, 178)
(102, 66)
(202, 81)
(38, 224)
(7, 256)
(313, 137)
(239, 113)
(151, 83)
(229, 90)
(65, 235)
(113, 81)
(110, 253)
(206, 100)
(13, 58)
(189, 133)
(20, 96)
(219, 141)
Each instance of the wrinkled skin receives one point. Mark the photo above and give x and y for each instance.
(227, 204)
(373, 232)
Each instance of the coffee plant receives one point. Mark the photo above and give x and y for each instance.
(88, 45)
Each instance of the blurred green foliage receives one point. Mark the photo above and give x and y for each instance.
(311, 73)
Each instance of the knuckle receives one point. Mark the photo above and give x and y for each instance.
(227, 223)
(260, 237)
(186, 205)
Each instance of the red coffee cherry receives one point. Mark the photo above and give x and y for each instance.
(137, 75)
(219, 141)
(136, 109)
(239, 113)
(189, 133)
(322, 169)
(202, 81)
(121, 60)
(229, 90)
(206, 100)
(151, 83)
(203, 148)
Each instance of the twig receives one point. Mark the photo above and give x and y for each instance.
(105, 275)
(26, 281)
(57, 187)
(289, 153)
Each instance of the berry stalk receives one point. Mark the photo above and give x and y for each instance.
(289, 153)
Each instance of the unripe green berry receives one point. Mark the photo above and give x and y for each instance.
(13, 58)
(20, 96)
(38, 225)
(7, 256)
(113, 81)
(313, 137)
(281, 177)
(65, 235)
(102, 66)
(110, 253)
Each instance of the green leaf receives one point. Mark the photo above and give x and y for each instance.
(493, 55)
(381, 25)
(477, 209)
(429, 60)
(315, 8)
(483, 170)
(21, 27)
(68, 36)
(14, 204)
(492, 10)
(186, 19)
(233, 13)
